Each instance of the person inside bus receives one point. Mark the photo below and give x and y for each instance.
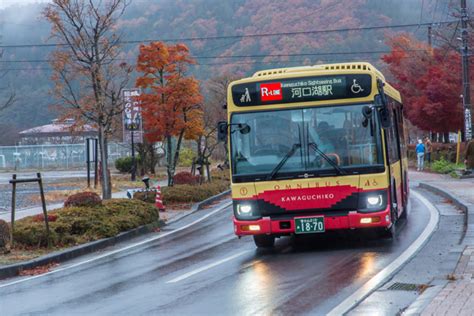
(319, 137)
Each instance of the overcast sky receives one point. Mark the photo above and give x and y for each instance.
(7, 3)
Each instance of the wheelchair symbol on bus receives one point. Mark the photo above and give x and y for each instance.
(356, 88)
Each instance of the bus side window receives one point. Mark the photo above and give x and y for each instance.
(392, 142)
(401, 132)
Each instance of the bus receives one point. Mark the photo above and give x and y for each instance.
(314, 149)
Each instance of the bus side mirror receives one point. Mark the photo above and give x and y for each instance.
(222, 131)
(385, 121)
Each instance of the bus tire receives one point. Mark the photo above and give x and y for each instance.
(264, 241)
(404, 214)
(391, 232)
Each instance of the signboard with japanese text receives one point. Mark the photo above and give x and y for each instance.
(132, 117)
(302, 89)
(467, 124)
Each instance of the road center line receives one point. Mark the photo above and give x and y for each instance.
(381, 277)
(114, 252)
(207, 267)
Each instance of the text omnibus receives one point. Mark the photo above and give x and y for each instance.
(314, 149)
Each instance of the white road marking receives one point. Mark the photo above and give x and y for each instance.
(114, 252)
(381, 277)
(207, 267)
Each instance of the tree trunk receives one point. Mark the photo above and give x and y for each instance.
(151, 163)
(176, 153)
(169, 160)
(106, 189)
(446, 137)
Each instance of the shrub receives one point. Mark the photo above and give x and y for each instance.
(186, 156)
(148, 197)
(443, 166)
(124, 164)
(79, 224)
(217, 174)
(185, 177)
(83, 199)
(5, 241)
(40, 218)
(186, 193)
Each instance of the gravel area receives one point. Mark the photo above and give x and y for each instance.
(27, 194)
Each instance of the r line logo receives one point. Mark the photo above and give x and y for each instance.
(271, 91)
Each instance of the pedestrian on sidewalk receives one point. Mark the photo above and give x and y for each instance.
(420, 154)
(428, 148)
(469, 159)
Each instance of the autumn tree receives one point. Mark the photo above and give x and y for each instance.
(87, 73)
(430, 83)
(216, 98)
(171, 100)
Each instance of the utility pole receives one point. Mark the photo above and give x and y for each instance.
(430, 27)
(466, 95)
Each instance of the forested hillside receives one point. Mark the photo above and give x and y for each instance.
(230, 52)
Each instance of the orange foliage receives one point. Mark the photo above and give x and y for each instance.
(171, 100)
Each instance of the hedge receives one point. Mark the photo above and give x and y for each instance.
(79, 224)
(186, 193)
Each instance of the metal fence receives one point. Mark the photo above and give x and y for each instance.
(63, 156)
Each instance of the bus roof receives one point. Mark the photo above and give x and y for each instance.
(318, 70)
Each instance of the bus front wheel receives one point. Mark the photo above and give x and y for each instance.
(264, 241)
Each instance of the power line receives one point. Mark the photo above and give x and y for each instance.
(246, 56)
(245, 62)
(368, 28)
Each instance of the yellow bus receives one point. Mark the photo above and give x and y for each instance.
(314, 149)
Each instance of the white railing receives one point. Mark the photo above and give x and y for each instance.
(61, 156)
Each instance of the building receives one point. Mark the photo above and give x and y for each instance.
(58, 132)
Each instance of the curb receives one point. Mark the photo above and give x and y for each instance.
(200, 205)
(467, 207)
(74, 252)
(420, 304)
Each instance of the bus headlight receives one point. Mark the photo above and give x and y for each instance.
(244, 209)
(374, 201)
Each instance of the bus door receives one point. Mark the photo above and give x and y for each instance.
(394, 159)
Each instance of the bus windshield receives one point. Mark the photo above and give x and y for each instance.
(320, 140)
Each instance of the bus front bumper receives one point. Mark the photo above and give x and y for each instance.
(353, 220)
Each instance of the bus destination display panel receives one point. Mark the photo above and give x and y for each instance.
(302, 89)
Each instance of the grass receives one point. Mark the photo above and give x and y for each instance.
(119, 183)
(19, 254)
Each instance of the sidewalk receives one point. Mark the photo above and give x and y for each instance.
(457, 296)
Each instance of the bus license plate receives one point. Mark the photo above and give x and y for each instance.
(309, 225)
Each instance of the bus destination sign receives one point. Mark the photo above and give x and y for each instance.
(302, 89)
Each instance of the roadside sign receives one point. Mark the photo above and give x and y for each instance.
(468, 124)
(132, 116)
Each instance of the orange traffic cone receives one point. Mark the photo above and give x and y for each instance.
(158, 201)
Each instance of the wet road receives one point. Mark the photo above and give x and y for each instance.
(205, 269)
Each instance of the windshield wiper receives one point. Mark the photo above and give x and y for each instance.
(315, 147)
(283, 161)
